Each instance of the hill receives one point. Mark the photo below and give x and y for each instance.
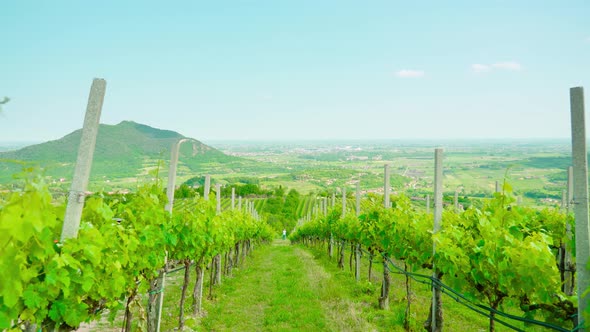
(125, 150)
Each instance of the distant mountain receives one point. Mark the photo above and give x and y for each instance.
(128, 149)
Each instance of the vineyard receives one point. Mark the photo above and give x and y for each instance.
(122, 246)
(98, 254)
(497, 254)
(487, 257)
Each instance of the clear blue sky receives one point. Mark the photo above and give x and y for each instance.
(296, 69)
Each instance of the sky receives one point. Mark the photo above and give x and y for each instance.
(294, 70)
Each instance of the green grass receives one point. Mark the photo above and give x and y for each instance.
(294, 288)
(282, 287)
(366, 292)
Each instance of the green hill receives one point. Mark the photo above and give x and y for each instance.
(125, 150)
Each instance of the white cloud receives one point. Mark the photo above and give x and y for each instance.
(509, 65)
(410, 73)
(479, 68)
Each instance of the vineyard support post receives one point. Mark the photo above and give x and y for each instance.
(386, 202)
(427, 204)
(580, 163)
(217, 267)
(569, 265)
(233, 198)
(84, 160)
(172, 171)
(497, 186)
(438, 207)
(570, 189)
(331, 243)
(207, 188)
(156, 312)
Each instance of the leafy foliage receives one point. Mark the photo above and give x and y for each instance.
(493, 253)
(122, 243)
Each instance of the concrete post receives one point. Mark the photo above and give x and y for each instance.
(217, 258)
(84, 160)
(207, 188)
(233, 198)
(438, 189)
(568, 263)
(497, 186)
(438, 208)
(427, 204)
(570, 189)
(171, 185)
(580, 164)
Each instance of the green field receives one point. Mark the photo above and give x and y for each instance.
(535, 169)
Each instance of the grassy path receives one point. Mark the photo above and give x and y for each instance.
(282, 288)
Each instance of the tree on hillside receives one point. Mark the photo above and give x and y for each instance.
(280, 210)
(244, 190)
(280, 191)
(197, 181)
(184, 191)
(291, 203)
